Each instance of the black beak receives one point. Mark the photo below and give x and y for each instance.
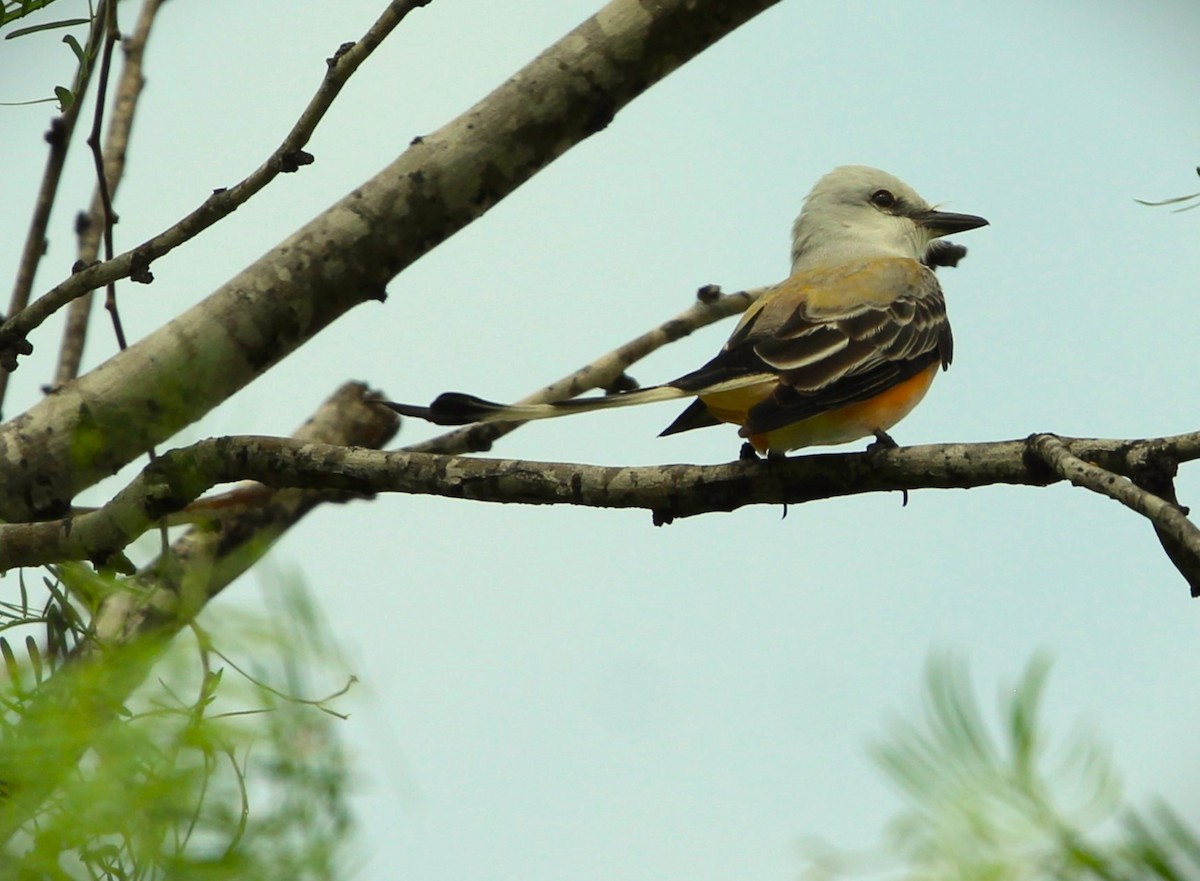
(943, 223)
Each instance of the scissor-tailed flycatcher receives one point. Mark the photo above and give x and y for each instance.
(842, 349)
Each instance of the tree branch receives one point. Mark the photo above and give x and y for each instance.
(287, 157)
(234, 535)
(140, 397)
(1181, 538)
(134, 622)
(669, 491)
(603, 373)
(62, 129)
(90, 226)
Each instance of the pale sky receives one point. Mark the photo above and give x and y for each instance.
(576, 694)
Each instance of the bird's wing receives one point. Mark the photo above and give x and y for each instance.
(831, 337)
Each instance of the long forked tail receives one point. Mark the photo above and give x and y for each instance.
(456, 408)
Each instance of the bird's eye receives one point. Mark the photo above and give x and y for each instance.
(883, 199)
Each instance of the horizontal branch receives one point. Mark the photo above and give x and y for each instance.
(668, 491)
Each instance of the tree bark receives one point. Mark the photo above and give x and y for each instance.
(346, 256)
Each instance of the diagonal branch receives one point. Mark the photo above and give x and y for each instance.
(287, 157)
(1181, 537)
(604, 372)
(346, 256)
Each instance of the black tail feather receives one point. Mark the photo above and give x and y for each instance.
(695, 416)
(458, 408)
(448, 408)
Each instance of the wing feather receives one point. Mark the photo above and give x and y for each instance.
(833, 337)
(809, 349)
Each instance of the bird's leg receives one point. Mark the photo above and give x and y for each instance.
(883, 441)
(747, 453)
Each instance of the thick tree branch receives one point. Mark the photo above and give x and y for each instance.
(670, 491)
(93, 426)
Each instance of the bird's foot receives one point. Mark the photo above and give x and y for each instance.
(747, 453)
(883, 442)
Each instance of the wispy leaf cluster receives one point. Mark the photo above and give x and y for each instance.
(213, 768)
(1004, 803)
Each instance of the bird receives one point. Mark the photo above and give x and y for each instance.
(842, 349)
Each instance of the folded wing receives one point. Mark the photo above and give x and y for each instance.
(825, 339)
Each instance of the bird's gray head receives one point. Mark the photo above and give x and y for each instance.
(856, 211)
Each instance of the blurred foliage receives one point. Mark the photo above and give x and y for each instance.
(210, 769)
(982, 807)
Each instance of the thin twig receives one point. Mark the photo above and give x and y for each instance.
(111, 35)
(1166, 516)
(107, 216)
(710, 306)
(116, 147)
(287, 157)
(62, 129)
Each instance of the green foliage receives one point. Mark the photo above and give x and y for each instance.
(982, 807)
(209, 770)
(11, 10)
(14, 10)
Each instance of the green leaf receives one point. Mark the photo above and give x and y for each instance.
(1023, 715)
(65, 97)
(85, 584)
(197, 773)
(35, 658)
(50, 25)
(10, 664)
(70, 40)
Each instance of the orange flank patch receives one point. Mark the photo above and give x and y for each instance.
(834, 427)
